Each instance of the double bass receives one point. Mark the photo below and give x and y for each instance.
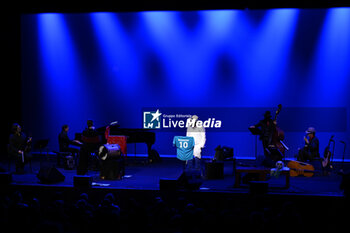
(278, 135)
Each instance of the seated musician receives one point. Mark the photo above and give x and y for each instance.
(19, 147)
(311, 149)
(65, 143)
(90, 143)
(267, 128)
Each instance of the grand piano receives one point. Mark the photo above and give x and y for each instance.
(133, 135)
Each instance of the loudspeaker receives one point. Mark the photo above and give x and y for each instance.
(190, 179)
(82, 181)
(223, 153)
(5, 178)
(168, 184)
(345, 183)
(258, 187)
(214, 170)
(50, 175)
(228, 152)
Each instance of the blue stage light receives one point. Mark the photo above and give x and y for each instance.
(118, 50)
(331, 70)
(108, 66)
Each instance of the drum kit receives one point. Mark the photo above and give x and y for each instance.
(109, 151)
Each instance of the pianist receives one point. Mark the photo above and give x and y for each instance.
(65, 143)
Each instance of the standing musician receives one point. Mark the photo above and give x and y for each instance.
(90, 143)
(267, 128)
(19, 146)
(198, 134)
(311, 148)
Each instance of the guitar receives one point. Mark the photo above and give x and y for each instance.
(327, 154)
(298, 168)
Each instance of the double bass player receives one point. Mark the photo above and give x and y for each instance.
(271, 137)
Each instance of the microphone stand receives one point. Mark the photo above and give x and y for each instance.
(332, 152)
(342, 163)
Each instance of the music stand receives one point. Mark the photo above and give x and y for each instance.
(255, 131)
(40, 145)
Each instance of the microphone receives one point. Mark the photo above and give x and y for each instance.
(342, 142)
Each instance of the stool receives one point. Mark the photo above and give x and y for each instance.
(61, 156)
(68, 162)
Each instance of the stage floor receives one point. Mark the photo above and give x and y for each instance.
(140, 175)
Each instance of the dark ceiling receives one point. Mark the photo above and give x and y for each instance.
(37, 6)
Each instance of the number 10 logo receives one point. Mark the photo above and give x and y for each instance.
(183, 144)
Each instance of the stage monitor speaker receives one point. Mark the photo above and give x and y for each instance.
(214, 170)
(223, 153)
(5, 178)
(345, 183)
(82, 181)
(168, 184)
(258, 187)
(190, 179)
(49, 175)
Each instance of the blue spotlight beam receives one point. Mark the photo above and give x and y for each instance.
(331, 69)
(108, 66)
